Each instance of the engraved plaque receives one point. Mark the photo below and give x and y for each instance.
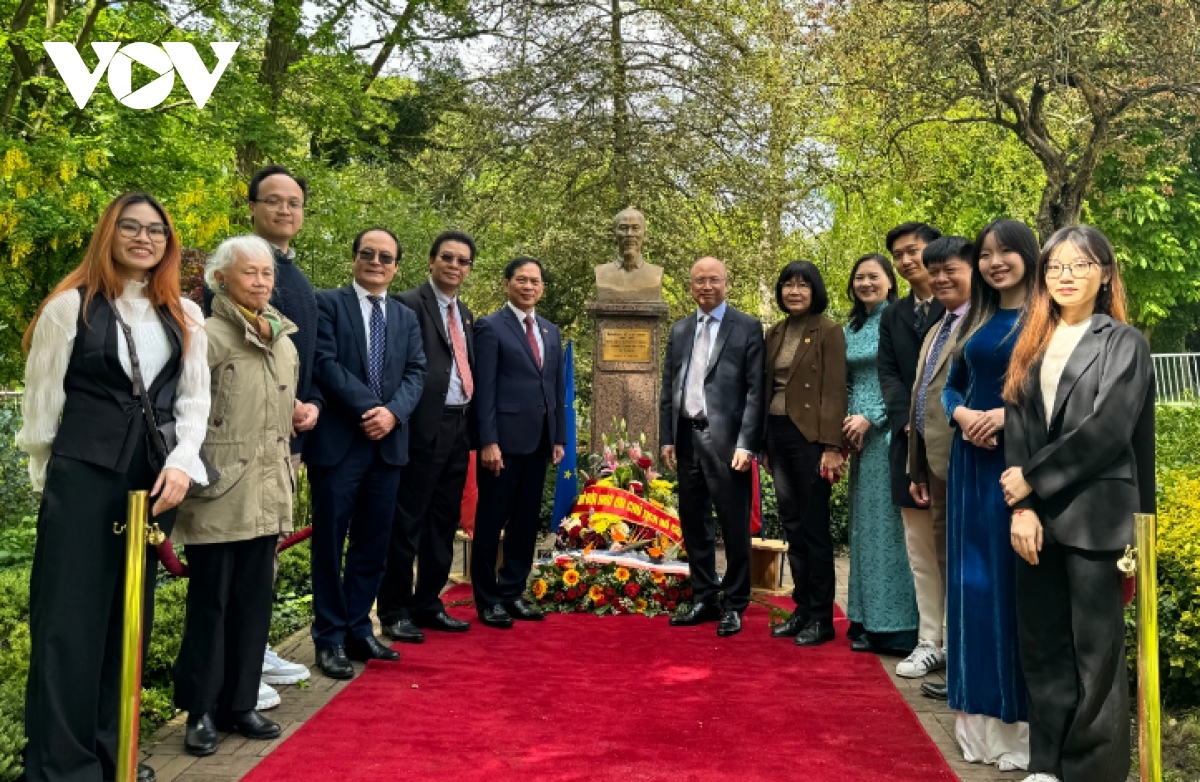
(626, 345)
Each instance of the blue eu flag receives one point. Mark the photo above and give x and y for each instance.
(566, 484)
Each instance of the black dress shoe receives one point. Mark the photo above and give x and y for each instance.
(496, 616)
(935, 691)
(861, 645)
(369, 648)
(334, 663)
(814, 634)
(145, 773)
(731, 623)
(200, 737)
(519, 609)
(405, 631)
(794, 624)
(441, 621)
(250, 724)
(699, 612)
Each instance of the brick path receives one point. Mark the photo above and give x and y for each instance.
(237, 755)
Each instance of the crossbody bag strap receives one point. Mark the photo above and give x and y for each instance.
(139, 386)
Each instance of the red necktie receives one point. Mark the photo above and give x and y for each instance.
(532, 340)
(460, 352)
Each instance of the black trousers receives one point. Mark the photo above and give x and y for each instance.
(1071, 630)
(228, 619)
(510, 502)
(354, 499)
(428, 509)
(803, 500)
(707, 481)
(76, 617)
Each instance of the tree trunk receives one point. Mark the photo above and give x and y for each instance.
(1062, 201)
(280, 52)
(620, 98)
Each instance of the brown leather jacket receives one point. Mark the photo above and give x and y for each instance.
(815, 394)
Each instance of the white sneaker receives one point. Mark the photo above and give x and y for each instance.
(267, 697)
(277, 670)
(1042, 778)
(924, 660)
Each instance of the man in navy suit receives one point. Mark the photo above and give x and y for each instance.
(522, 425)
(370, 367)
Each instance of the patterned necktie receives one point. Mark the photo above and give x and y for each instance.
(459, 346)
(529, 335)
(935, 352)
(693, 400)
(921, 310)
(376, 348)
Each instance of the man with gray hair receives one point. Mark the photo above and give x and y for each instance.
(710, 423)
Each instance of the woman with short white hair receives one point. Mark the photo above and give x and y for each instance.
(231, 528)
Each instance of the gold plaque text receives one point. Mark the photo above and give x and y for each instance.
(626, 345)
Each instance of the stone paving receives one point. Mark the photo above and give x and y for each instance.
(236, 756)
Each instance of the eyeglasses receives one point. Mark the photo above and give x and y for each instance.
(450, 259)
(534, 281)
(701, 282)
(1079, 269)
(367, 255)
(130, 228)
(797, 285)
(275, 203)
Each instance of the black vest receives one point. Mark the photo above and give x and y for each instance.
(102, 420)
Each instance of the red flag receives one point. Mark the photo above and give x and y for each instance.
(469, 499)
(755, 500)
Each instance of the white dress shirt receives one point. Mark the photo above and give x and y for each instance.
(537, 330)
(713, 326)
(1058, 353)
(50, 354)
(366, 307)
(455, 394)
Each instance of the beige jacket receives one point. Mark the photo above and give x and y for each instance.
(249, 426)
(931, 453)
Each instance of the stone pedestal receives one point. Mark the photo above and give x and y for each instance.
(626, 369)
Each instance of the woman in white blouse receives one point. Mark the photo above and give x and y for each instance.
(87, 441)
(1079, 443)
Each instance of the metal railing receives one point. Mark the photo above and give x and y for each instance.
(1177, 378)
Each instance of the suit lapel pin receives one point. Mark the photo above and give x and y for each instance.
(544, 331)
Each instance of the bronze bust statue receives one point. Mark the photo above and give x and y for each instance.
(628, 277)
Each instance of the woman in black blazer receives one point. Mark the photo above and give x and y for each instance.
(1079, 442)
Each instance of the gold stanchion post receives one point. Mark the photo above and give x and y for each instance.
(135, 530)
(1149, 704)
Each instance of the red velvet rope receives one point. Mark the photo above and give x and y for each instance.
(166, 552)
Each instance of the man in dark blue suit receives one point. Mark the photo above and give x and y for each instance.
(370, 367)
(522, 424)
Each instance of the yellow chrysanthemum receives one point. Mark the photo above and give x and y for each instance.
(539, 589)
(570, 577)
(595, 593)
(639, 605)
(661, 485)
(659, 578)
(622, 574)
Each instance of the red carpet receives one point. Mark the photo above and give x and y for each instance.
(613, 698)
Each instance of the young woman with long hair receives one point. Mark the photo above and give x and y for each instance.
(87, 440)
(983, 678)
(882, 600)
(1079, 441)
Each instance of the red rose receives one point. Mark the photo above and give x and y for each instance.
(687, 592)
(645, 462)
(632, 589)
(559, 597)
(591, 571)
(636, 487)
(673, 593)
(572, 594)
(609, 591)
(670, 605)
(601, 601)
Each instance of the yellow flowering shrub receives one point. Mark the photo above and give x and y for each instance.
(1179, 585)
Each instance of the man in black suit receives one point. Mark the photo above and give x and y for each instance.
(370, 367)
(431, 488)
(902, 331)
(710, 423)
(521, 415)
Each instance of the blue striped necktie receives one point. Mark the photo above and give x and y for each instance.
(935, 352)
(375, 349)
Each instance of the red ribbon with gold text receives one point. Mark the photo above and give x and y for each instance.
(629, 508)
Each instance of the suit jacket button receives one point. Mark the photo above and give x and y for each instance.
(808, 385)
(814, 367)
(807, 406)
